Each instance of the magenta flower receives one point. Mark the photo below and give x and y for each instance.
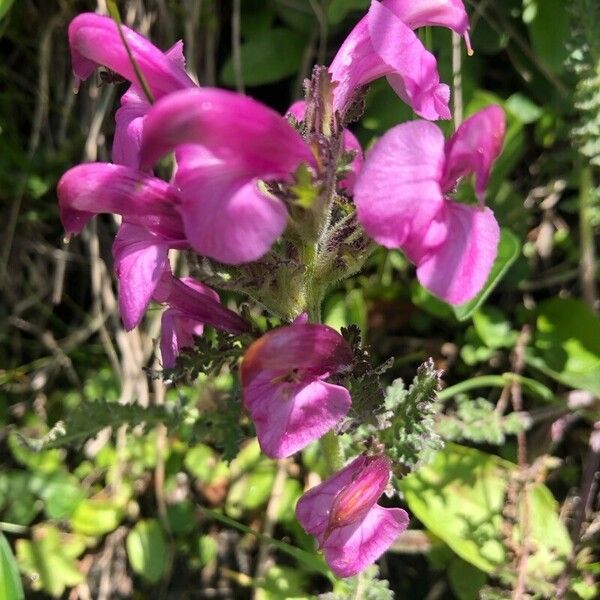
(383, 44)
(342, 513)
(402, 201)
(225, 214)
(191, 305)
(283, 376)
(349, 142)
(95, 41)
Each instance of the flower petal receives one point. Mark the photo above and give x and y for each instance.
(314, 349)
(313, 508)
(412, 68)
(349, 550)
(290, 416)
(444, 13)
(458, 268)
(234, 127)
(197, 304)
(140, 261)
(474, 148)
(231, 221)
(94, 188)
(397, 193)
(95, 40)
(176, 333)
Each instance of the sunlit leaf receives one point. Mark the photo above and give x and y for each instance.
(147, 550)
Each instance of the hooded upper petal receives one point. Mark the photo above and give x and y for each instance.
(235, 128)
(140, 260)
(382, 44)
(423, 13)
(398, 193)
(313, 349)
(95, 40)
(458, 268)
(94, 188)
(474, 148)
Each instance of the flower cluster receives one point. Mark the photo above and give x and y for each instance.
(233, 199)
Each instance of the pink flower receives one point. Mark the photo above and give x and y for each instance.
(353, 531)
(151, 225)
(402, 201)
(95, 41)
(225, 214)
(191, 305)
(383, 44)
(349, 143)
(284, 390)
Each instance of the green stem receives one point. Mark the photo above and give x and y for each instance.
(330, 445)
(587, 265)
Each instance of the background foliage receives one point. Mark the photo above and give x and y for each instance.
(112, 485)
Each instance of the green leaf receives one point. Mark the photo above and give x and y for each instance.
(5, 7)
(465, 579)
(50, 559)
(493, 328)
(460, 498)
(10, 582)
(147, 550)
(273, 56)
(567, 344)
(549, 32)
(96, 516)
(282, 583)
(508, 251)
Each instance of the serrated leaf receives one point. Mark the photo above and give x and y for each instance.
(508, 251)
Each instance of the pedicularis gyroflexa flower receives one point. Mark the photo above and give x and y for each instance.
(294, 197)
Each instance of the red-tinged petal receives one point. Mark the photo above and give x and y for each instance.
(474, 148)
(313, 508)
(311, 348)
(397, 193)
(348, 550)
(94, 188)
(443, 13)
(176, 334)
(95, 41)
(412, 68)
(231, 221)
(140, 261)
(289, 416)
(197, 305)
(235, 128)
(355, 499)
(458, 268)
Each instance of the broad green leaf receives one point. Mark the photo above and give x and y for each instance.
(207, 549)
(203, 463)
(282, 583)
(50, 559)
(567, 343)
(5, 7)
(10, 582)
(460, 498)
(523, 108)
(549, 32)
(465, 579)
(493, 328)
(96, 517)
(147, 550)
(273, 56)
(508, 251)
